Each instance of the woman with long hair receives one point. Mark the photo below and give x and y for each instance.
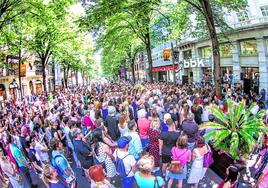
(154, 134)
(123, 123)
(182, 154)
(103, 153)
(197, 170)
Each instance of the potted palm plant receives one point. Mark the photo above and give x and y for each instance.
(234, 135)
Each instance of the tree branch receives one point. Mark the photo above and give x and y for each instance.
(195, 6)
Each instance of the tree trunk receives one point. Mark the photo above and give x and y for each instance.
(83, 77)
(149, 56)
(64, 77)
(54, 75)
(206, 6)
(173, 62)
(20, 88)
(76, 77)
(133, 70)
(67, 74)
(43, 61)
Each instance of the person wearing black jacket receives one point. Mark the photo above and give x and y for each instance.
(111, 123)
(82, 150)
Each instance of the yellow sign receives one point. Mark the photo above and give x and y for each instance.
(167, 54)
(23, 70)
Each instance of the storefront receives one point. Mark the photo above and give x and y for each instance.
(164, 73)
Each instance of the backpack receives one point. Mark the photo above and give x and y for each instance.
(54, 164)
(120, 167)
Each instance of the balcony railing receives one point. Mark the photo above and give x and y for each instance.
(251, 22)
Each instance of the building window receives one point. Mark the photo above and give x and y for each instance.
(264, 10)
(206, 52)
(187, 54)
(249, 47)
(242, 16)
(226, 50)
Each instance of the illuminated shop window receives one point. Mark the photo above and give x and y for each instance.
(226, 50)
(249, 47)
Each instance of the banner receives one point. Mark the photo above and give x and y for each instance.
(167, 54)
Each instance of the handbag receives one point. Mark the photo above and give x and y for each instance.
(175, 166)
(208, 158)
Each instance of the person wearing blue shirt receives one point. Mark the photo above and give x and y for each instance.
(60, 160)
(135, 147)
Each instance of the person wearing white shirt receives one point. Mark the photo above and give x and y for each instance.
(128, 160)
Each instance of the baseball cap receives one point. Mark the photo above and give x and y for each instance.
(123, 141)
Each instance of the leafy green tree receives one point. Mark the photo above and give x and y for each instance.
(126, 48)
(11, 9)
(48, 29)
(129, 16)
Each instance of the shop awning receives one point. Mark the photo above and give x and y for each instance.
(164, 68)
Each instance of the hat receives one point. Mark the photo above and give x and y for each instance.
(123, 141)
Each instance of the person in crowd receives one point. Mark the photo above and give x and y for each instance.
(111, 123)
(51, 180)
(82, 150)
(190, 128)
(125, 163)
(164, 127)
(174, 114)
(97, 176)
(154, 134)
(144, 177)
(231, 180)
(66, 122)
(263, 179)
(182, 154)
(22, 162)
(184, 111)
(103, 153)
(8, 170)
(197, 110)
(23, 140)
(36, 164)
(59, 161)
(135, 146)
(197, 170)
(123, 124)
(167, 140)
(143, 126)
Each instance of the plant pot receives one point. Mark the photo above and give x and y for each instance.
(221, 163)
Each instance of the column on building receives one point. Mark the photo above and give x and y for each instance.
(263, 65)
(236, 62)
(197, 71)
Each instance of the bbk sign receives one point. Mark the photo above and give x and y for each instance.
(193, 63)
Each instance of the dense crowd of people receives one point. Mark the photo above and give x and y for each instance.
(116, 129)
